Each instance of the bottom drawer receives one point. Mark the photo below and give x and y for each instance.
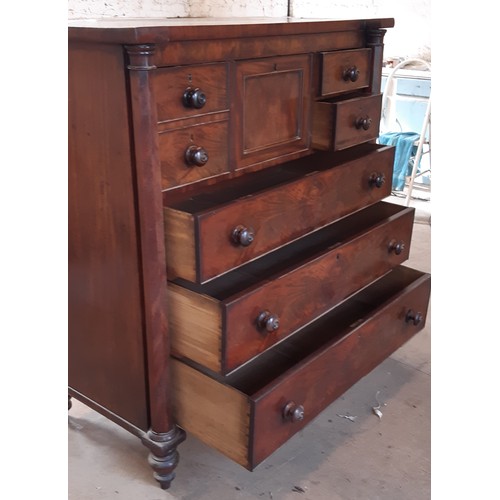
(252, 412)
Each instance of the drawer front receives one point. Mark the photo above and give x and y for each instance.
(343, 124)
(271, 108)
(345, 71)
(321, 379)
(187, 91)
(285, 213)
(193, 153)
(301, 294)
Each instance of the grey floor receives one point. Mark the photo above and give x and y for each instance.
(333, 458)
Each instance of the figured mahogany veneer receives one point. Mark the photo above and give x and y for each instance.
(232, 266)
(345, 123)
(295, 200)
(243, 415)
(345, 71)
(217, 325)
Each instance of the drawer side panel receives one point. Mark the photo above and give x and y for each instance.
(215, 413)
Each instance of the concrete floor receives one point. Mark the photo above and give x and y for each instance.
(333, 458)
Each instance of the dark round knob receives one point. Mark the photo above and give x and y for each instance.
(196, 155)
(364, 123)
(194, 98)
(414, 317)
(243, 236)
(377, 179)
(293, 412)
(396, 246)
(351, 74)
(267, 321)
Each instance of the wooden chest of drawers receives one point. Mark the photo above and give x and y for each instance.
(233, 268)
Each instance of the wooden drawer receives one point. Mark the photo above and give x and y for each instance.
(227, 322)
(177, 169)
(345, 71)
(342, 124)
(188, 91)
(245, 415)
(278, 206)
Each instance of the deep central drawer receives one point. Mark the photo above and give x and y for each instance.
(251, 413)
(227, 322)
(219, 230)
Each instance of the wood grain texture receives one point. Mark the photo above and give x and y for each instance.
(105, 325)
(323, 377)
(180, 244)
(289, 211)
(171, 83)
(215, 413)
(196, 325)
(303, 292)
(334, 123)
(270, 109)
(333, 65)
(212, 137)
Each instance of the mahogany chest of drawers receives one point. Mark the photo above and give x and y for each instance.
(232, 266)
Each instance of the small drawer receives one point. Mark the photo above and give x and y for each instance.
(227, 322)
(251, 413)
(345, 71)
(193, 153)
(343, 124)
(233, 223)
(187, 91)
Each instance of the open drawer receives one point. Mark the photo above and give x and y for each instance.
(239, 220)
(252, 412)
(230, 320)
(340, 124)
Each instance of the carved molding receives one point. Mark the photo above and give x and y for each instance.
(140, 57)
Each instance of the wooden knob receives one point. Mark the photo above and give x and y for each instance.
(396, 246)
(350, 74)
(243, 236)
(377, 179)
(194, 98)
(414, 317)
(363, 123)
(196, 155)
(267, 321)
(293, 412)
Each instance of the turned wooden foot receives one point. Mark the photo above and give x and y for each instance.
(70, 404)
(163, 457)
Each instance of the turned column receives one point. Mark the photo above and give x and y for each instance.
(163, 436)
(375, 41)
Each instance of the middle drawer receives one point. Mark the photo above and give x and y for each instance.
(237, 221)
(227, 322)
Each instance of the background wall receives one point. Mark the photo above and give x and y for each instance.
(410, 38)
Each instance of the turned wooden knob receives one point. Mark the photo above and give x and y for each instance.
(243, 236)
(363, 123)
(267, 321)
(196, 155)
(414, 317)
(396, 246)
(194, 98)
(293, 412)
(350, 74)
(377, 179)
